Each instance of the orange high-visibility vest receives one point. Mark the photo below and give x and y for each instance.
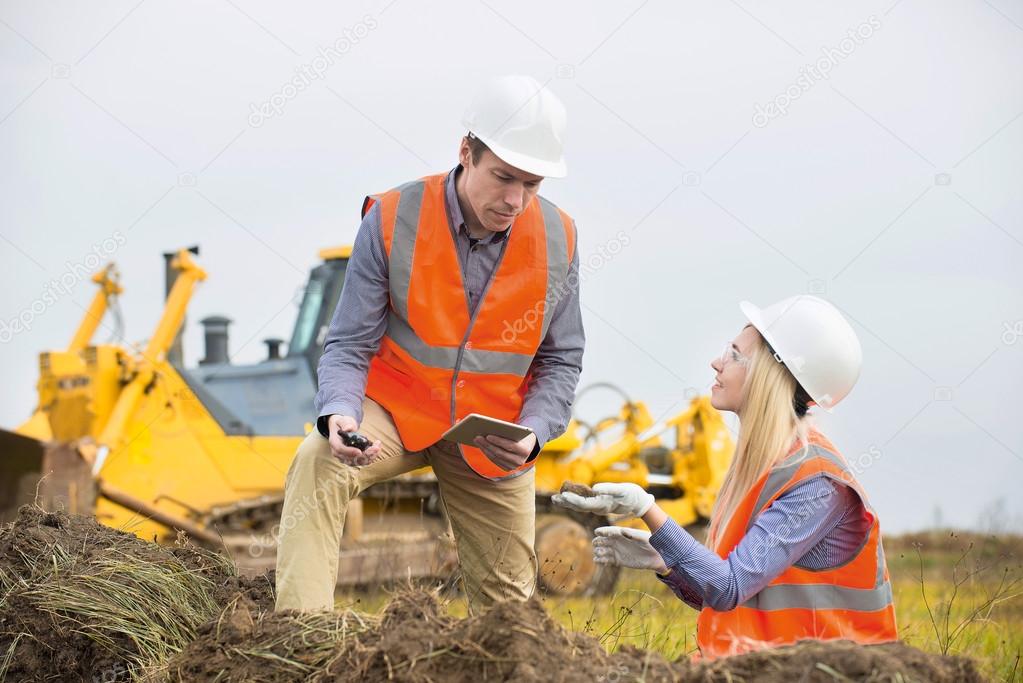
(436, 362)
(853, 601)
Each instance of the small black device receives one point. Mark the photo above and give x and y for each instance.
(354, 440)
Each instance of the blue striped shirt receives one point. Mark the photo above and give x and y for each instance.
(817, 524)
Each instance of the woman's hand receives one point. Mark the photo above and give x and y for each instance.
(617, 501)
(626, 548)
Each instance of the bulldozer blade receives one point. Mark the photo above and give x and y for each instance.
(50, 474)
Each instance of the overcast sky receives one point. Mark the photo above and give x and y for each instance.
(867, 152)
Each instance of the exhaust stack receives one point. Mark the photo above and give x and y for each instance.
(273, 348)
(215, 327)
(175, 354)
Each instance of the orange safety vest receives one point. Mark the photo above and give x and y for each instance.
(437, 362)
(852, 601)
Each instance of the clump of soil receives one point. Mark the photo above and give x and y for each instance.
(257, 592)
(815, 661)
(244, 645)
(578, 489)
(414, 641)
(514, 641)
(82, 601)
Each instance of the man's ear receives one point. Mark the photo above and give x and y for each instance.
(464, 153)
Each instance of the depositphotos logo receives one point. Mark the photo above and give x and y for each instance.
(316, 69)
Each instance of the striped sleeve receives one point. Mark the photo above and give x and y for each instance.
(780, 536)
(682, 590)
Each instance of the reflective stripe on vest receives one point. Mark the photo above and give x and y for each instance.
(446, 357)
(557, 267)
(821, 596)
(403, 247)
(825, 595)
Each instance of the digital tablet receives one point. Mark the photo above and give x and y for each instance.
(474, 424)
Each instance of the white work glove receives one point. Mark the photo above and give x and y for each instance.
(626, 548)
(617, 501)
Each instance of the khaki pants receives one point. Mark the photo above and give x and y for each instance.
(492, 521)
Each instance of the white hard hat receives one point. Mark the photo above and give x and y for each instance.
(815, 342)
(521, 122)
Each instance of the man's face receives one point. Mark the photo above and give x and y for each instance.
(496, 192)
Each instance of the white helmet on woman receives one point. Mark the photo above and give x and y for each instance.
(815, 342)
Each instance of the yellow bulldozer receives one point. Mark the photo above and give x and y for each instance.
(128, 433)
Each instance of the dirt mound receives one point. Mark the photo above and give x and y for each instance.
(243, 645)
(81, 601)
(415, 641)
(515, 641)
(412, 640)
(813, 661)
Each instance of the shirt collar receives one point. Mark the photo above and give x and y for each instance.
(455, 210)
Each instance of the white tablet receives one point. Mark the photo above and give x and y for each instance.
(474, 424)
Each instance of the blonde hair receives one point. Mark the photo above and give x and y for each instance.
(769, 424)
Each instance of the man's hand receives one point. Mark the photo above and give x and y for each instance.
(626, 548)
(505, 453)
(617, 501)
(347, 454)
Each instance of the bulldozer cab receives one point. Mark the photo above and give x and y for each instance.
(272, 397)
(319, 300)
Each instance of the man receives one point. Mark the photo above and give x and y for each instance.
(461, 296)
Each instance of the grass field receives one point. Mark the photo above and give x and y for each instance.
(954, 594)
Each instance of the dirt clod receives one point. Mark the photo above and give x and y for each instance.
(578, 489)
(82, 601)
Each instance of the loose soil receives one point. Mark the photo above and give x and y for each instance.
(414, 641)
(42, 553)
(240, 638)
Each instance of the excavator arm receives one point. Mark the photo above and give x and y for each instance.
(84, 402)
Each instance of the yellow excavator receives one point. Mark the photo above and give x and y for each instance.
(128, 433)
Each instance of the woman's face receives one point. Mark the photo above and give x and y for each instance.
(731, 368)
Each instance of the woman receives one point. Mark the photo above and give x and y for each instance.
(795, 548)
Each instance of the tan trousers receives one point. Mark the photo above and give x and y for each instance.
(492, 521)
